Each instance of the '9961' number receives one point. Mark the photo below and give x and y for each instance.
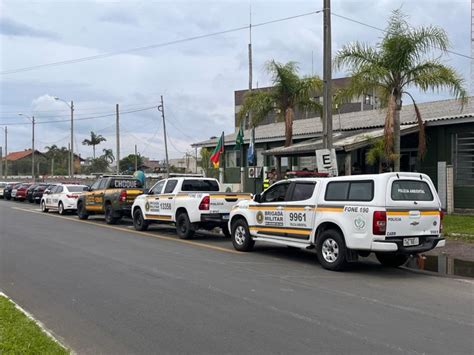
(297, 217)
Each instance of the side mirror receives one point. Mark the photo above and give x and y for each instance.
(257, 198)
(47, 192)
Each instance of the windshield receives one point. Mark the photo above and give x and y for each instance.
(200, 185)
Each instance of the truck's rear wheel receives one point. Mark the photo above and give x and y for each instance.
(109, 215)
(184, 227)
(331, 250)
(81, 211)
(241, 238)
(391, 259)
(138, 221)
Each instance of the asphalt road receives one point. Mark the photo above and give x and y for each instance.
(112, 290)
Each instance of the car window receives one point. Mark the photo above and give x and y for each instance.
(76, 188)
(361, 191)
(411, 190)
(337, 191)
(103, 184)
(170, 185)
(350, 191)
(276, 193)
(302, 191)
(59, 189)
(200, 185)
(158, 187)
(95, 185)
(53, 189)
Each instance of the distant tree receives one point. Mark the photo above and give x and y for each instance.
(96, 139)
(400, 61)
(376, 153)
(108, 155)
(205, 158)
(288, 93)
(127, 164)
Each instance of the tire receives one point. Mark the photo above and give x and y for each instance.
(226, 231)
(61, 209)
(43, 207)
(8, 198)
(109, 215)
(241, 238)
(331, 250)
(184, 227)
(391, 259)
(81, 211)
(138, 221)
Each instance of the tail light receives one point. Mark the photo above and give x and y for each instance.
(123, 196)
(441, 217)
(204, 205)
(379, 223)
(72, 196)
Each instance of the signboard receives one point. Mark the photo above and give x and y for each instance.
(326, 161)
(255, 172)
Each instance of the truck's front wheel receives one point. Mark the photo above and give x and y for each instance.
(391, 259)
(241, 238)
(138, 221)
(331, 250)
(184, 227)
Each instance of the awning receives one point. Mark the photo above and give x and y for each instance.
(342, 141)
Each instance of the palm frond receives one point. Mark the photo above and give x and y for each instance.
(421, 127)
(355, 56)
(259, 104)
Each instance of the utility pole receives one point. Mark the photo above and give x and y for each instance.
(161, 108)
(6, 152)
(33, 175)
(1, 161)
(136, 158)
(196, 160)
(117, 138)
(250, 113)
(327, 109)
(69, 160)
(72, 140)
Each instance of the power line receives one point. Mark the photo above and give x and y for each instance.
(79, 119)
(385, 31)
(153, 46)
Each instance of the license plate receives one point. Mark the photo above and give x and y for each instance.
(408, 242)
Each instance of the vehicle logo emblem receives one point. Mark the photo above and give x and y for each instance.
(415, 223)
(435, 223)
(359, 222)
(259, 217)
(147, 206)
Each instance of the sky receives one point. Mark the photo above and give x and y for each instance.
(196, 78)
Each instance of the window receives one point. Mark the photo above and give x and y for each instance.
(411, 190)
(200, 185)
(231, 158)
(54, 189)
(361, 191)
(77, 188)
(102, 184)
(95, 185)
(170, 185)
(156, 190)
(276, 193)
(58, 189)
(350, 191)
(463, 158)
(303, 191)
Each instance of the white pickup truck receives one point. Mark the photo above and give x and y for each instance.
(393, 214)
(190, 203)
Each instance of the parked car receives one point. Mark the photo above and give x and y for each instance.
(7, 191)
(30, 191)
(14, 190)
(38, 192)
(393, 215)
(20, 193)
(62, 198)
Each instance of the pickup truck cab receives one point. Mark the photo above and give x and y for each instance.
(190, 203)
(109, 195)
(393, 214)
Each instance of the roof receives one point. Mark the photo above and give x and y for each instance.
(13, 156)
(433, 113)
(343, 140)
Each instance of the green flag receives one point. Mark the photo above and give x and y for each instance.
(239, 140)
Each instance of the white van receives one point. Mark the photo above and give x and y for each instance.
(393, 214)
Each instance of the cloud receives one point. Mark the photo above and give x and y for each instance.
(9, 27)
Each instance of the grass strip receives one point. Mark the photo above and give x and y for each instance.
(459, 227)
(21, 335)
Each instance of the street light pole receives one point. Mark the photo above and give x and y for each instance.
(6, 152)
(32, 119)
(161, 108)
(71, 150)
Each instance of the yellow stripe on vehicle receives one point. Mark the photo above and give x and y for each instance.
(407, 213)
(329, 209)
(280, 230)
(161, 217)
(231, 196)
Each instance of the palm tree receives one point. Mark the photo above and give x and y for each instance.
(399, 62)
(108, 155)
(96, 139)
(288, 92)
(376, 153)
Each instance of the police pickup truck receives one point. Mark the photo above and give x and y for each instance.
(393, 215)
(189, 202)
(109, 195)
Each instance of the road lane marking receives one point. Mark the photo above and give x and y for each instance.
(190, 242)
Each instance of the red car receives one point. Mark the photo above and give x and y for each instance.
(21, 192)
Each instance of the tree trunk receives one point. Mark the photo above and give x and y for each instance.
(396, 136)
(93, 151)
(289, 114)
